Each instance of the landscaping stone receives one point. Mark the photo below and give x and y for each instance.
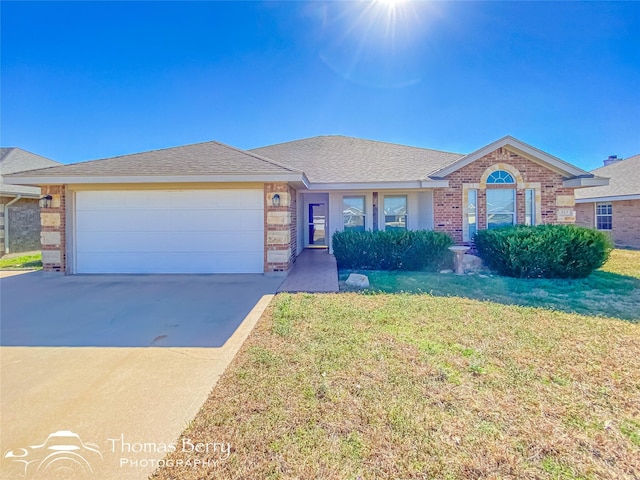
(472, 263)
(357, 280)
(446, 270)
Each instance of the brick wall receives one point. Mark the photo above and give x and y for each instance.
(448, 204)
(280, 232)
(23, 223)
(52, 235)
(585, 215)
(625, 221)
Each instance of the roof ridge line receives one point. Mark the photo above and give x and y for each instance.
(257, 156)
(363, 139)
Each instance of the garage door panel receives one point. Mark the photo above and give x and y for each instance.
(169, 232)
(167, 263)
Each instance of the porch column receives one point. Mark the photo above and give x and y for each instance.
(52, 233)
(279, 227)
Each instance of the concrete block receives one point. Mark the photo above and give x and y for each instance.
(278, 256)
(51, 256)
(50, 238)
(565, 201)
(50, 219)
(282, 237)
(278, 218)
(55, 201)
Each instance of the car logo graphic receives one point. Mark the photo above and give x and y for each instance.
(62, 453)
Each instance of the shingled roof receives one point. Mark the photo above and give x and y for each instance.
(339, 159)
(14, 160)
(624, 180)
(208, 158)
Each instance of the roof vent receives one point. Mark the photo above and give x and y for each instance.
(612, 159)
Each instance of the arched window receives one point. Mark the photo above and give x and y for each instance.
(500, 177)
(501, 203)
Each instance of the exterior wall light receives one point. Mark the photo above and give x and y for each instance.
(45, 202)
(275, 200)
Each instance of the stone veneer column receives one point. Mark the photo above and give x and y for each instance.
(52, 235)
(279, 228)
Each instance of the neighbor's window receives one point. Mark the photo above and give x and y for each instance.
(529, 206)
(472, 207)
(501, 207)
(604, 214)
(395, 212)
(353, 213)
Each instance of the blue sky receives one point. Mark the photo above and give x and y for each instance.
(85, 80)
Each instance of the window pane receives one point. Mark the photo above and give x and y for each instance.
(500, 176)
(353, 213)
(472, 205)
(500, 208)
(501, 201)
(395, 213)
(530, 206)
(604, 216)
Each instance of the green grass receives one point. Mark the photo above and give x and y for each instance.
(352, 385)
(612, 291)
(22, 261)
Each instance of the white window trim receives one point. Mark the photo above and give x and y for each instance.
(596, 215)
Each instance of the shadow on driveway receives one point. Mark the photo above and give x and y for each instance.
(127, 310)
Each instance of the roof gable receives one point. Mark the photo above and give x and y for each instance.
(527, 151)
(14, 160)
(201, 160)
(624, 180)
(339, 159)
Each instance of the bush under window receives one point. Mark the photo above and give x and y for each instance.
(543, 251)
(392, 250)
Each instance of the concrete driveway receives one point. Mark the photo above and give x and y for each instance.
(75, 376)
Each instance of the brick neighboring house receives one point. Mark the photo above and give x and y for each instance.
(212, 208)
(614, 208)
(19, 209)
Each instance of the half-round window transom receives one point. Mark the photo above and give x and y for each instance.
(500, 177)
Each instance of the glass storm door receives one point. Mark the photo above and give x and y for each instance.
(317, 223)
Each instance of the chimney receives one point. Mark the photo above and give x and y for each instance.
(612, 159)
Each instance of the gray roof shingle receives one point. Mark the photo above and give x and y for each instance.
(14, 160)
(208, 158)
(338, 159)
(624, 179)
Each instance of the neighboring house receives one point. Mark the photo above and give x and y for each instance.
(19, 209)
(212, 208)
(614, 208)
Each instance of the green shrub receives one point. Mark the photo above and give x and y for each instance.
(393, 250)
(543, 251)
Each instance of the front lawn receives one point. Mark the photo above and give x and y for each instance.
(18, 261)
(613, 290)
(352, 385)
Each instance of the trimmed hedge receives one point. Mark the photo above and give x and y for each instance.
(393, 250)
(543, 251)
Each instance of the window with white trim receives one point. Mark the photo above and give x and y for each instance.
(501, 202)
(353, 213)
(395, 212)
(501, 207)
(604, 216)
(530, 206)
(472, 209)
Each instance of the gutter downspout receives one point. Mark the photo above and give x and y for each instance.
(6, 222)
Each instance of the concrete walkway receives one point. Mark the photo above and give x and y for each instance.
(111, 412)
(315, 271)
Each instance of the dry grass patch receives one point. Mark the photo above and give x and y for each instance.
(414, 386)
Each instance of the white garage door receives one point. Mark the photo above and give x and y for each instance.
(181, 231)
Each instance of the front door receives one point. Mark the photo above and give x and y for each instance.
(317, 223)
